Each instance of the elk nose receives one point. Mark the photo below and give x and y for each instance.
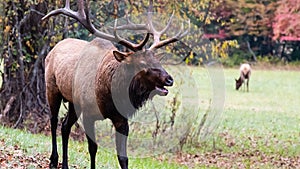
(169, 81)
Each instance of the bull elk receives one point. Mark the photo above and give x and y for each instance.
(149, 79)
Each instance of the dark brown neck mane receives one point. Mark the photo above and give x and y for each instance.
(132, 92)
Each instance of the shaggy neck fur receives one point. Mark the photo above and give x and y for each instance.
(139, 91)
(132, 90)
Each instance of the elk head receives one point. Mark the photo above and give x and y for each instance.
(141, 76)
(238, 83)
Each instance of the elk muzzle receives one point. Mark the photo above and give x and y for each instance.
(160, 89)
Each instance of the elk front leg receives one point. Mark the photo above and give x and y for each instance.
(89, 128)
(248, 85)
(122, 130)
(68, 122)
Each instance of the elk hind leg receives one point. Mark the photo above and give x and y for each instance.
(54, 101)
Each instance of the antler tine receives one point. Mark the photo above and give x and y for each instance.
(132, 46)
(157, 43)
(79, 15)
(132, 26)
(157, 34)
(82, 15)
(168, 24)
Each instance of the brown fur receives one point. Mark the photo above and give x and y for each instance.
(245, 73)
(88, 75)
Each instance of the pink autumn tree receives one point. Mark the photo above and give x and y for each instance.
(286, 25)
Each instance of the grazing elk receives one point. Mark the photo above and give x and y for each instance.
(100, 82)
(245, 73)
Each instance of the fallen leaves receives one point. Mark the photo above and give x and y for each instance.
(15, 157)
(250, 156)
(243, 159)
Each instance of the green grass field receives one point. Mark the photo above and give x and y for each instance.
(258, 129)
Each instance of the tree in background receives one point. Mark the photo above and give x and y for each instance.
(286, 21)
(250, 22)
(286, 28)
(24, 48)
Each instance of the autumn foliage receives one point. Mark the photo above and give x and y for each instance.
(286, 25)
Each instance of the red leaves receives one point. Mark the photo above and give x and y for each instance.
(286, 21)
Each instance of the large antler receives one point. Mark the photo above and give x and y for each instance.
(157, 34)
(82, 15)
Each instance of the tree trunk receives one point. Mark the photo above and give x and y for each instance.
(22, 94)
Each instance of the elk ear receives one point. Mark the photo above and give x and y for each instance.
(236, 80)
(122, 56)
(119, 55)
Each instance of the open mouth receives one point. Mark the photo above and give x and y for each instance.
(160, 87)
(161, 90)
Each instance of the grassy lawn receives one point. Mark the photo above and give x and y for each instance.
(258, 129)
(39, 145)
(268, 115)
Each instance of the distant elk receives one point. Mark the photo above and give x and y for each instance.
(245, 73)
(149, 79)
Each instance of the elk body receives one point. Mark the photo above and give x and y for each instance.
(108, 72)
(245, 73)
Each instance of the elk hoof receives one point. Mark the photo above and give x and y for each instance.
(53, 162)
(52, 166)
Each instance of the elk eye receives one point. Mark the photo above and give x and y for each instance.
(146, 70)
(143, 62)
